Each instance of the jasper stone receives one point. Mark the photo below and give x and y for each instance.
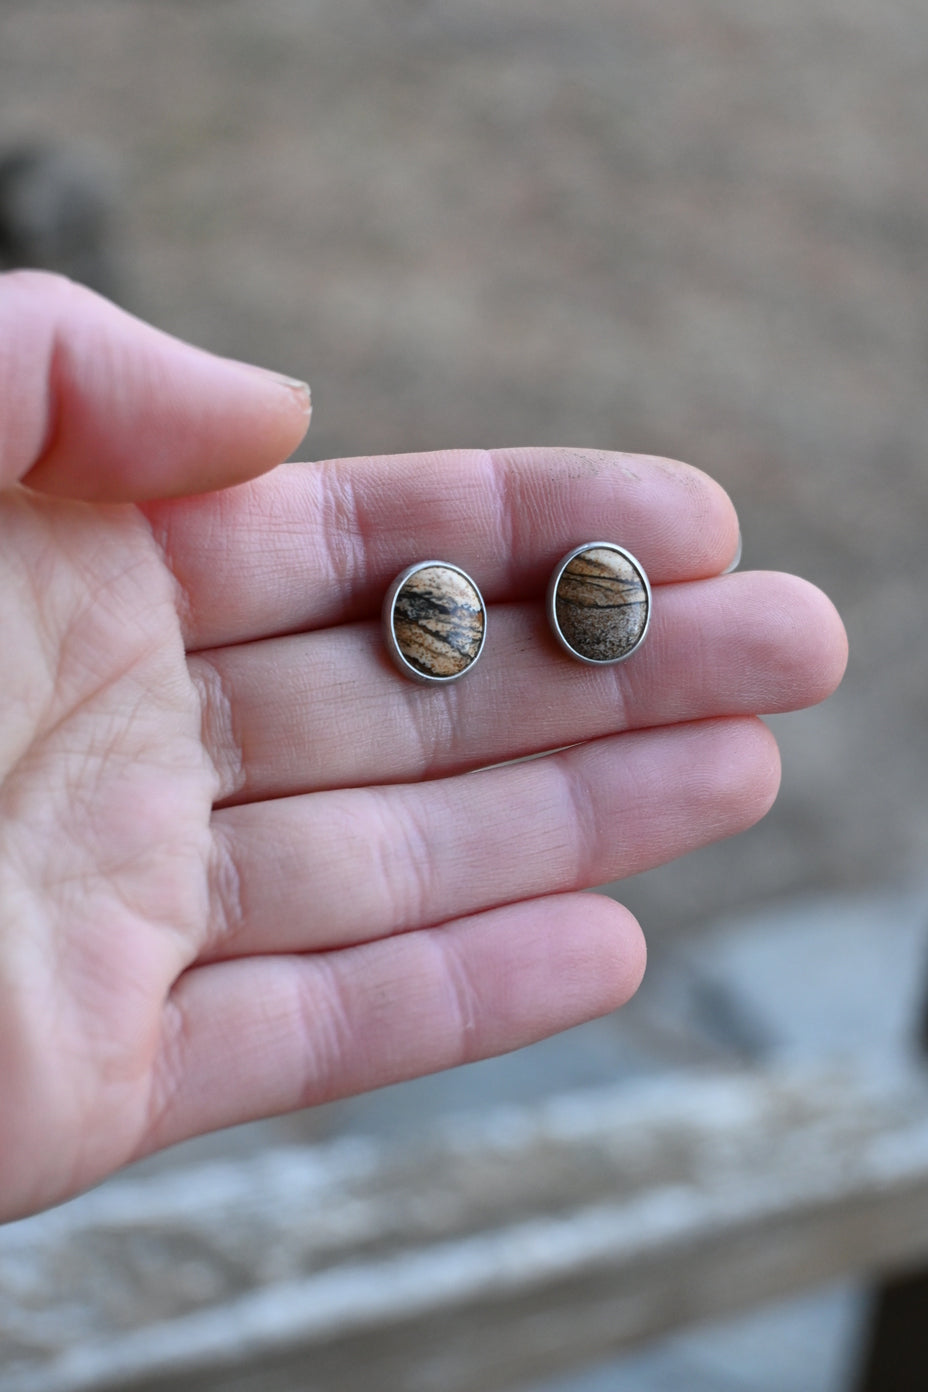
(435, 622)
(600, 603)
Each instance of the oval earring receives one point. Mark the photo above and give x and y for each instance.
(434, 622)
(599, 603)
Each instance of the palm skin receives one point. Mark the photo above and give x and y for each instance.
(244, 867)
(104, 827)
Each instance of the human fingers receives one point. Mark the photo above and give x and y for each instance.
(262, 1036)
(96, 405)
(332, 869)
(317, 545)
(277, 718)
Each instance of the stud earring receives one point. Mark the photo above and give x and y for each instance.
(434, 622)
(599, 603)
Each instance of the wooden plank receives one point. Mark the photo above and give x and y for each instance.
(895, 1357)
(502, 1249)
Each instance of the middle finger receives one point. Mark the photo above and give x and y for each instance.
(327, 709)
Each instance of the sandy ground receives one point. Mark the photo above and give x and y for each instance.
(695, 228)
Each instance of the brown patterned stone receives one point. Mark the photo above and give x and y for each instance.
(438, 621)
(601, 604)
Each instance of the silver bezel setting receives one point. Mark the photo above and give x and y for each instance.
(389, 636)
(553, 583)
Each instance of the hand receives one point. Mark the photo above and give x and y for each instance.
(244, 866)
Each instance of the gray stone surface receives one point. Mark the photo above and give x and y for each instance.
(502, 1247)
(823, 977)
(803, 1345)
(761, 986)
(820, 977)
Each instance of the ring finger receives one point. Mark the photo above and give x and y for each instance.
(332, 869)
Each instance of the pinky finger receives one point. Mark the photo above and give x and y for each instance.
(258, 1037)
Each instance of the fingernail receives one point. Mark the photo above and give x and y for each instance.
(737, 558)
(300, 389)
(293, 384)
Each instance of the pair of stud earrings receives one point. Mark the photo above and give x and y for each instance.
(435, 619)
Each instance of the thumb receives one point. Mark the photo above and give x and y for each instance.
(96, 405)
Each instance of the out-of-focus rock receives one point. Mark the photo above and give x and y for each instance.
(58, 212)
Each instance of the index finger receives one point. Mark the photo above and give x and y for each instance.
(313, 545)
(96, 405)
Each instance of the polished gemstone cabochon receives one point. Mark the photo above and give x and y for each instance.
(599, 603)
(434, 622)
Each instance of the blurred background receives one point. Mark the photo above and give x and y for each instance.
(697, 228)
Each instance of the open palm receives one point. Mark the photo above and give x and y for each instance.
(244, 866)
